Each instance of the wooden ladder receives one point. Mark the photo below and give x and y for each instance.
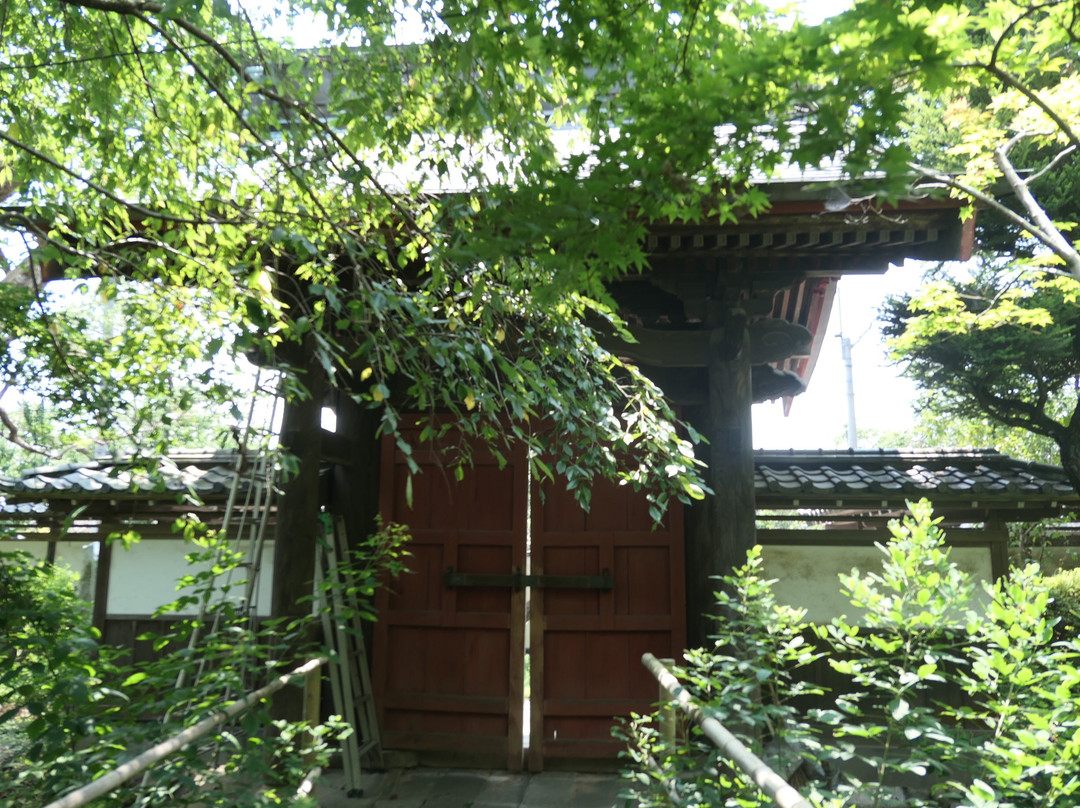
(350, 678)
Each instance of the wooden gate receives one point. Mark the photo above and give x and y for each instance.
(448, 661)
(450, 639)
(586, 644)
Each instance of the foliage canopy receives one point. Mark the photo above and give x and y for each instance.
(430, 222)
(999, 341)
(997, 345)
(424, 209)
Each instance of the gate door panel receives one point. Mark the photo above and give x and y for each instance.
(449, 659)
(586, 644)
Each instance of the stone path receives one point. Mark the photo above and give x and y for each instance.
(463, 788)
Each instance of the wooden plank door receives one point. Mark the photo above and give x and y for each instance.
(586, 645)
(449, 660)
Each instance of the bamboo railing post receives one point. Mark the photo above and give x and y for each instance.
(312, 695)
(769, 782)
(137, 765)
(666, 722)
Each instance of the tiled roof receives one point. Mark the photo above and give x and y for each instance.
(25, 508)
(803, 475)
(206, 473)
(968, 473)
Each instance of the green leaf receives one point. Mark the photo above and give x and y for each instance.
(135, 678)
(900, 710)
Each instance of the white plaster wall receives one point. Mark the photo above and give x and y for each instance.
(68, 553)
(77, 556)
(806, 577)
(1051, 559)
(81, 558)
(74, 555)
(143, 577)
(37, 549)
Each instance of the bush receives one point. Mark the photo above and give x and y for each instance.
(49, 669)
(1064, 589)
(1011, 739)
(747, 680)
(86, 714)
(39, 610)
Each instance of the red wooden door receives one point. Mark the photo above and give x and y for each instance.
(586, 644)
(448, 662)
(449, 658)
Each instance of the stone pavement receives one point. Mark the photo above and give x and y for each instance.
(466, 788)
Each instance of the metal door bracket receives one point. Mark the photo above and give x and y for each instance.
(518, 580)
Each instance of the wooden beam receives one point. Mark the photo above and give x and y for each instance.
(764, 341)
(354, 491)
(689, 387)
(337, 446)
(997, 532)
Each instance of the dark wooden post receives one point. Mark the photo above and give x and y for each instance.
(355, 491)
(722, 529)
(298, 518)
(101, 586)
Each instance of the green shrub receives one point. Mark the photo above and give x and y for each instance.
(1064, 589)
(49, 670)
(747, 680)
(86, 714)
(39, 610)
(1012, 740)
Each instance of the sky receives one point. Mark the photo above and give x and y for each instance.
(883, 399)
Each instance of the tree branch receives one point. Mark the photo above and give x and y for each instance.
(105, 192)
(978, 196)
(291, 105)
(1061, 155)
(1012, 25)
(689, 32)
(12, 436)
(1014, 412)
(1053, 240)
(1052, 236)
(1011, 81)
(140, 9)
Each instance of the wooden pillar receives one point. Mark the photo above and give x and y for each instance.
(355, 491)
(997, 532)
(101, 587)
(298, 519)
(723, 528)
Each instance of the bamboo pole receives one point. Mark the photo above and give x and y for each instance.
(667, 710)
(312, 697)
(154, 754)
(307, 785)
(771, 784)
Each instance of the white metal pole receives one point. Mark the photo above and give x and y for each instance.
(852, 435)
